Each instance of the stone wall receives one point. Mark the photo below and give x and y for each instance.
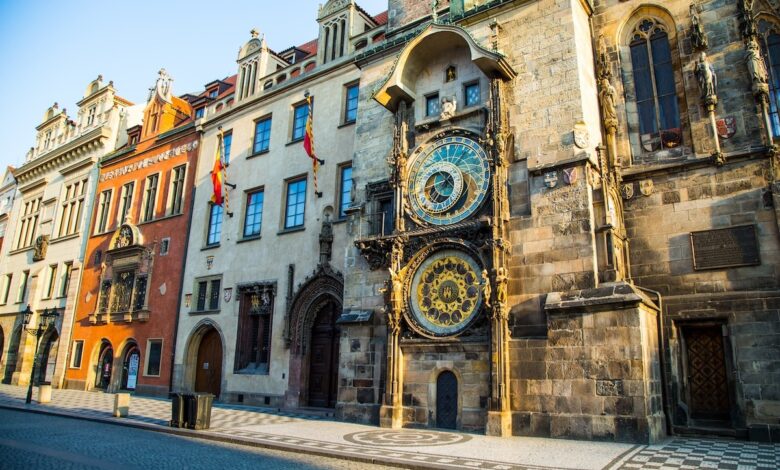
(597, 374)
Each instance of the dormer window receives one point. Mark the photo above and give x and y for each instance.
(91, 115)
(47, 140)
(199, 113)
(213, 93)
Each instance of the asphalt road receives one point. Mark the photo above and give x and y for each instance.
(30, 440)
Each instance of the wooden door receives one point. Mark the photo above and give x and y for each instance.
(447, 400)
(324, 359)
(707, 376)
(208, 377)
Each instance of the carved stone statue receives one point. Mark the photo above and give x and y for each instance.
(448, 106)
(501, 286)
(607, 101)
(698, 37)
(396, 291)
(708, 81)
(755, 63)
(164, 84)
(486, 289)
(40, 248)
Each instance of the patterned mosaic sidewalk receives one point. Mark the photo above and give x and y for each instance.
(412, 448)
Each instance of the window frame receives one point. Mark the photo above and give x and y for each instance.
(21, 293)
(286, 202)
(171, 198)
(145, 217)
(51, 282)
(70, 204)
(208, 281)
(65, 279)
(466, 86)
(247, 200)
(346, 113)
(342, 194)
(8, 278)
(294, 121)
(72, 362)
(148, 355)
(432, 97)
(103, 211)
(268, 118)
(218, 234)
(125, 204)
(227, 146)
(28, 222)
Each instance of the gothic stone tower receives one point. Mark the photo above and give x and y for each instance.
(493, 285)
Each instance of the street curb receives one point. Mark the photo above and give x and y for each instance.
(388, 461)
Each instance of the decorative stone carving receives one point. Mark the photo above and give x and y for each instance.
(322, 286)
(627, 190)
(727, 127)
(326, 240)
(570, 175)
(747, 24)
(40, 248)
(755, 63)
(581, 137)
(551, 179)
(486, 289)
(607, 101)
(164, 85)
(449, 105)
(708, 81)
(646, 187)
(698, 37)
(451, 74)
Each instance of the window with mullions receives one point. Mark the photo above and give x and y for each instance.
(770, 46)
(176, 191)
(150, 196)
(296, 204)
(104, 206)
(262, 135)
(656, 94)
(351, 105)
(126, 201)
(300, 115)
(432, 107)
(207, 294)
(253, 219)
(472, 94)
(215, 225)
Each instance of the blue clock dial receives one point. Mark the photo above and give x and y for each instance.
(448, 180)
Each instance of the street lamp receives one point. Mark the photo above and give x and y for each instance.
(45, 319)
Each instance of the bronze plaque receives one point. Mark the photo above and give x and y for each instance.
(725, 248)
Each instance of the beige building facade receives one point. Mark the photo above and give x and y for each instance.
(42, 251)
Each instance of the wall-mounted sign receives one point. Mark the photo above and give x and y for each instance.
(147, 162)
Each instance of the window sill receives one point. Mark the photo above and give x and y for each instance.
(291, 230)
(20, 250)
(248, 371)
(294, 141)
(147, 375)
(347, 124)
(205, 312)
(64, 238)
(257, 154)
(210, 247)
(249, 239)
(158, 219)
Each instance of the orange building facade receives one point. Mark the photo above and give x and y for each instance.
(125, 322)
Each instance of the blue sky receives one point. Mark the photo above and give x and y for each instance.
(51, 49)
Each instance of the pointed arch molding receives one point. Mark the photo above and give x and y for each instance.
(323, 285)
(435, 40)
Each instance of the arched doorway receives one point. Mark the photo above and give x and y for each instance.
(447, 400)
(324, 357)
(47, 359)
(208, 372)
(12, 355)
(105, 365)
(130, 361)
(315, 309)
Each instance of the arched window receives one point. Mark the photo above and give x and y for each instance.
(770, 46)
(656, 95)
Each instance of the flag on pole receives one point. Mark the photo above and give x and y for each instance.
(218, 173)
(308, 144)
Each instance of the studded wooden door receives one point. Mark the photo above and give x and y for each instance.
(707, 376)
(447, 400)
(324, 359)
(208, 376)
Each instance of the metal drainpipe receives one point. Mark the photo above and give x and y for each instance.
(664, 378)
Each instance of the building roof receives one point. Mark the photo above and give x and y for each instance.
(381, 18)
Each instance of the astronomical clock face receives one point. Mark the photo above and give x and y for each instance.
(446, 293)
(448, 180)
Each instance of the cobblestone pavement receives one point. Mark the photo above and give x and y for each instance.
(303, 433)
(44, 441)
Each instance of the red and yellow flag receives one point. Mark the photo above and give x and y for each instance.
(308, 143)
(218, 173)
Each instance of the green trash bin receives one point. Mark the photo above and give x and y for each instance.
(198, 410)
(177, 410)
